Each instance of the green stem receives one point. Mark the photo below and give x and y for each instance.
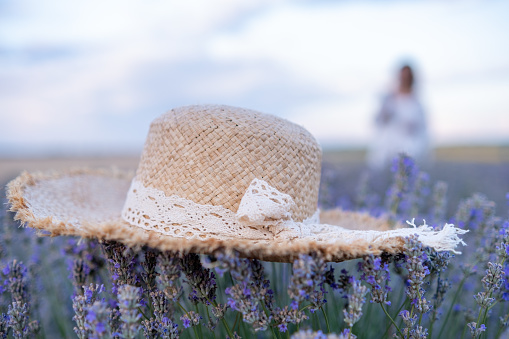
(498, 332)
(399, 310)
(185, 311)
(326, 319)
(208, 317)
(420, 315)
(464, 331)
(267, 314)
(231, 279)
(230, 333)
(143, 314)
(305, 307)
(435, 309)
(392, 320)
(223, 320)
(458, 291)
(318, 321)
(236, 319)
(199, 325)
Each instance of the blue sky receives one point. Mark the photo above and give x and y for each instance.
(90, 76)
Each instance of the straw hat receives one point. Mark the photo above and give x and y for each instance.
(212, 178)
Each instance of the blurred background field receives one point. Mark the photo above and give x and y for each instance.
(466, 169)
(461, 155)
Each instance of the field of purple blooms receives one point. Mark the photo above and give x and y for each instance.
(68, 287)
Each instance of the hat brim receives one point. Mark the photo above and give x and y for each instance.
(88, 203)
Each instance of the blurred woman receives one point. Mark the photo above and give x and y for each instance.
(400, 125)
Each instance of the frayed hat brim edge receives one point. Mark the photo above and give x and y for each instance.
(121, 231)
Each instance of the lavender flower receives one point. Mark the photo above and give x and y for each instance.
(344, 282)
(436, 262)
(244, 301)
(122, 262)
(161, 305)
(149, 274)
(356, 300)
(412, 329)
(235, 336)
(201, 280)
(190, 319)
(150, 328)
(309, 334)
(167, 329)
(417, 271)
(4, 325)
(115, 320)
(252, 293)
(442, 287)
(377, 274)
(18, 319)
(418, 195)
(502, 249)
(91, 292)
(218, 313)
(491, 282)
(16, 284)
(504, 321)
(80, 303)
(308, 275)
(85, 250)
(474, 212)
(476, 331)
(169, 267)
(80, 273)
(128, 297)
(329, 278)
(404, 170)
(160, 324)
(439, 199)
(409, 321)
(97, 320)
(317, 298)
(283, 317)
(240, 269)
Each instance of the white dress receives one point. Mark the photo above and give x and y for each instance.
(400, 127)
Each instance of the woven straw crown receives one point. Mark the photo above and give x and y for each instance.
(194, 191)
(210, 155)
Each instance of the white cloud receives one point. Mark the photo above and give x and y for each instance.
(331, 44)
(73, 72)
(476, 112)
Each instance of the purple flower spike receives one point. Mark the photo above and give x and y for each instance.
(6, 270)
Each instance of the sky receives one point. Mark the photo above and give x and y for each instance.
(90, 76)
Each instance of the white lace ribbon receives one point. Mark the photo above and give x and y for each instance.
(264, 213)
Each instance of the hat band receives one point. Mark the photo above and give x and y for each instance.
(264, 214)
(260, 209)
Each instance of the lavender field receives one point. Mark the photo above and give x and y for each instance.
(68, 287)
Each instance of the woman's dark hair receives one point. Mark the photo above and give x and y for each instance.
(410, 78)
